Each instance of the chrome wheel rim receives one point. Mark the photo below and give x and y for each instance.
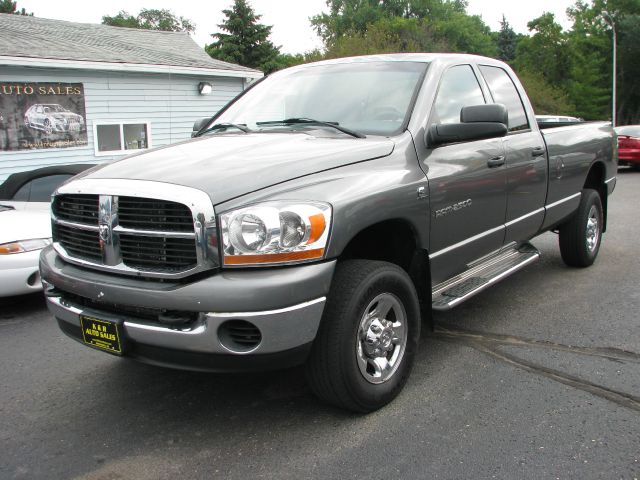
(382, 338)
(593, 229)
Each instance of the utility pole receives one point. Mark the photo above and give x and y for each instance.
(609, 19)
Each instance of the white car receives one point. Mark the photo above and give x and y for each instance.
(53, 118)
(23, 233)
(25, 225)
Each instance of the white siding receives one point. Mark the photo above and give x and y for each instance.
(171, 103)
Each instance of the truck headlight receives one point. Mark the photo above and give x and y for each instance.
(274, 233)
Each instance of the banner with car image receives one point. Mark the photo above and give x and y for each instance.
(42, 115)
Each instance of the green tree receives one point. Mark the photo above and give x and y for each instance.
(507, 41)
(591, 44)
(7, 6)
(246, 42)
(546, 51)
(151, 19)
(546, 99)
(362, 24)
(348, 17)
(629, 77)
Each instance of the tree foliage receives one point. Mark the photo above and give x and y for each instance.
(8, 6)
(507, 41)
(565, 72)
(246, 42)
(151, 19)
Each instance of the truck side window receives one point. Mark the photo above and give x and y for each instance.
(504, 91)
(459, 88)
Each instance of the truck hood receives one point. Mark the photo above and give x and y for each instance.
(229, 165)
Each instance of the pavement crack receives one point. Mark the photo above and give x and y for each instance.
(623, 399)
(610, 353)
(484, 343)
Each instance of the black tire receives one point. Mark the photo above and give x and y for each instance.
(635, 167)
(574, 246)
(333, 369)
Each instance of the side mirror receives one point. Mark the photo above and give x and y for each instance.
(477, 122)
(199, 125)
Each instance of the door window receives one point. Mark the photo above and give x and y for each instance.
(505, 92)
(459, 88)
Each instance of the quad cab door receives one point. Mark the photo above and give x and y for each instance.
(467, 183)
(526, 159)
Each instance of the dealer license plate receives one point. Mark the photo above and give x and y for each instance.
(101, 334)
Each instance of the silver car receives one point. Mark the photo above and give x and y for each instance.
(53, 118)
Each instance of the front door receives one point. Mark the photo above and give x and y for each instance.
(467, 184)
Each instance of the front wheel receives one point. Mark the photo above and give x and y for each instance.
(364, 350)
(580, 237)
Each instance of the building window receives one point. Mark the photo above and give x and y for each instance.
(115, 138)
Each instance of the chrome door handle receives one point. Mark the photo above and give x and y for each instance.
(495, 162)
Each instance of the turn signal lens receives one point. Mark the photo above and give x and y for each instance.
(275, 233)
(24, 246)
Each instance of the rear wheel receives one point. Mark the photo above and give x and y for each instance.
(368, 337)
(580, 237)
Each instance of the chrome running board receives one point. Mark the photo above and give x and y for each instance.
(456, 290)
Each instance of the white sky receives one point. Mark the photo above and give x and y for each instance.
(291, 27)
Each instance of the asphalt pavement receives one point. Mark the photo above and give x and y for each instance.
(538, 377)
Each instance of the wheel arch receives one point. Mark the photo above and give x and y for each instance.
(596, 181)
(395, 241)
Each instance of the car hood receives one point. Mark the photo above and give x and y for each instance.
(228, 165)
(24, 225)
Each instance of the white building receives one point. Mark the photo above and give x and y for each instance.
(82, 93)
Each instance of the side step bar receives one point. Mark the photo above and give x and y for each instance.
(456, 290)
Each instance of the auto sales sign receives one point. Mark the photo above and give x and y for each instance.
(42, 115)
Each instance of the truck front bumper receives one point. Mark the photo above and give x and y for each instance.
(285, 305)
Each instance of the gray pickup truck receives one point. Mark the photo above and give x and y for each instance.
(319, 217)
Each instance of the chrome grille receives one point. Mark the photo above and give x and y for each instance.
(77, 208)
(152, 214)
(141, 236)
(79, 243)
(157, 252)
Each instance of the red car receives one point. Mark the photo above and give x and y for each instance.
(629, 146)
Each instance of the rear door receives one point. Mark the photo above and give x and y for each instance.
(467, 195)
(526, 158)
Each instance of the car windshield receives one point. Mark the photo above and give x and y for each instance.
(631, 130)
(54, 108)
(366, 97)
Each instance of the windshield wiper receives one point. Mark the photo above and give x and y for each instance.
(225, 125)
(6, 207)
(311, 121)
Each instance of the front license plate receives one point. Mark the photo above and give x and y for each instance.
(101, 334)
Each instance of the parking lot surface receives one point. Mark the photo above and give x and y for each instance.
(538, 377)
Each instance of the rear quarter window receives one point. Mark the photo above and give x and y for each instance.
(504, 91)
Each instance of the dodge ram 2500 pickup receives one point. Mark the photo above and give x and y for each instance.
(319, 217)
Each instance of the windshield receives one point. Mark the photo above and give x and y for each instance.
(54, 108)
(631, 130)
(368, 97)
